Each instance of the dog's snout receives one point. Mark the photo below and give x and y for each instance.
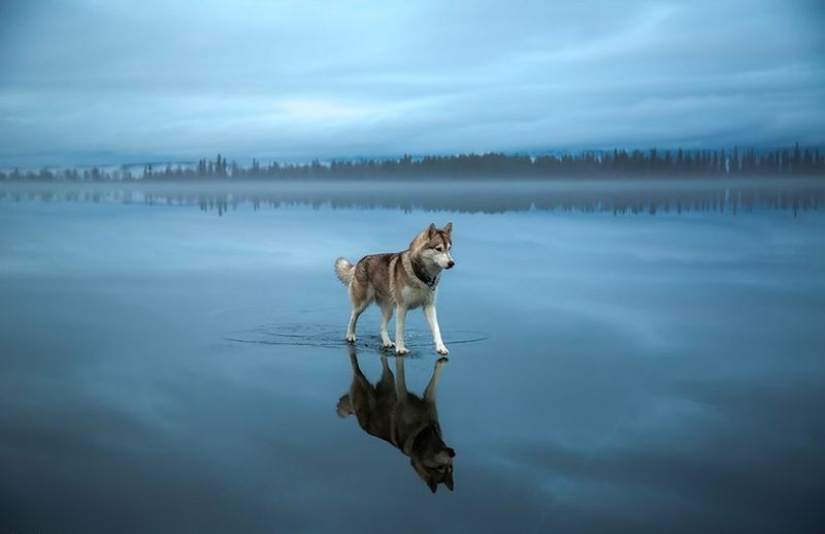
(450, 264)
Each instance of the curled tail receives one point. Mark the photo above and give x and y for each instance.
(344, 270)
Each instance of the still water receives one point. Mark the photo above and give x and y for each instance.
(167, 369)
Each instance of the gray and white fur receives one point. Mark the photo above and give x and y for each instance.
(400, 281)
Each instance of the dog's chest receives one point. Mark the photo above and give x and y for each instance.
(414, 297)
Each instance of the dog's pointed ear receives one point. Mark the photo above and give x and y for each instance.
(448, 481)
(449, 228)
(431, 230)
(432, 484)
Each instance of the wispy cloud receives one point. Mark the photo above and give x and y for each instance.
(288, 79)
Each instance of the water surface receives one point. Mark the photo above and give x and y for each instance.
(164, 369)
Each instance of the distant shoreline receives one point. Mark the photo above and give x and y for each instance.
(796, 161)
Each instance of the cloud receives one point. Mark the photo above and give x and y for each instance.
(284, 79)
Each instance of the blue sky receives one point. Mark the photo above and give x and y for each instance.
(94, 81)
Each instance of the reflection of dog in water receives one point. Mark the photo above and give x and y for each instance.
(410, 423)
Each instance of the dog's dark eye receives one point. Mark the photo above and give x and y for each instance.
(439, 248)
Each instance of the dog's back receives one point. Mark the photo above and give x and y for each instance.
(370, 278)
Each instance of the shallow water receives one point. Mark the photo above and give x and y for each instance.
(164, 369)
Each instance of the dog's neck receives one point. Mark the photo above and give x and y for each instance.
(425, 275)
(416, 440)
(431, 432)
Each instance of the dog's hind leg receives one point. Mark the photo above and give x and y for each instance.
(353, 359)
(353, 321)
(386, 315)
(432, 319)
(360, 295)
(386, 384)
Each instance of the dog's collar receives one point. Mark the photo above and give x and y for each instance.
(422, 275)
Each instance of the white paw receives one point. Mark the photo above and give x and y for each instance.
(401, 351)
(441, 349)
(350, 338)
(388, 344)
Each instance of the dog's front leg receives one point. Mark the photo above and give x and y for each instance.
(400, 383)
(432, 387)
(432, 319)
(400, 317)
(386, 313)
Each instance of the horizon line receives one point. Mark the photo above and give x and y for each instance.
(157, 159)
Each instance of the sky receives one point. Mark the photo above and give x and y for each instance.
(119, 81)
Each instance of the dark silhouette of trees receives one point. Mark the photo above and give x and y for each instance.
(491, 166)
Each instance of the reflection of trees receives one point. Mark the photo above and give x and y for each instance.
(611, 196)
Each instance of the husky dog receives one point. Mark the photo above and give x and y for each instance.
(408, 422)
(401, 280)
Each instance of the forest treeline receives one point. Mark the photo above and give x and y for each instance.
(796, 161)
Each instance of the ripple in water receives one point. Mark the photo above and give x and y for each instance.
(315, 335)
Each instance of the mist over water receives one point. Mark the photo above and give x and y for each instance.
(163, 368)
(647, 195)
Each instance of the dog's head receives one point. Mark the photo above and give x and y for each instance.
(435, 466)
(435, 245)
